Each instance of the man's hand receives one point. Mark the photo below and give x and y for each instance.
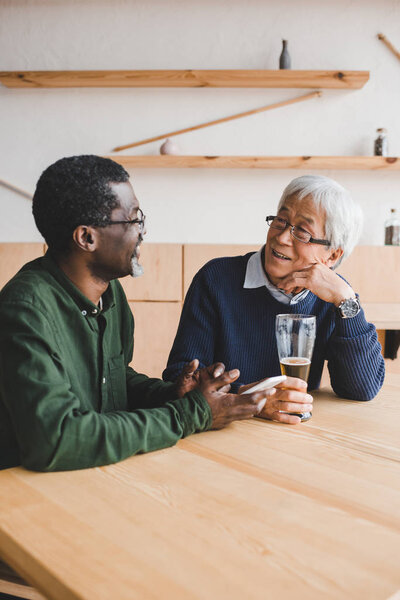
(320, 280)
(226, 408)
(190, 377)
(291, 396)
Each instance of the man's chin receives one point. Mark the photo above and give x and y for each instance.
(276, 275)
(136, 269)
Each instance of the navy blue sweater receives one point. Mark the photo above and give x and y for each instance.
(222, 321)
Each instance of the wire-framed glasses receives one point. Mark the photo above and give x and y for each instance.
(140, 220)
(298, 233)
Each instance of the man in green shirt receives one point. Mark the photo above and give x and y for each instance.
(68, 397)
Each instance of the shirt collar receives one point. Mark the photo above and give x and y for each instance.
(86, 306)
(256, 277)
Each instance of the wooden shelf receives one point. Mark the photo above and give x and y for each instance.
(186, 78)
(261, 162)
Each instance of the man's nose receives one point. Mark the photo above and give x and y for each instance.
(285, 235)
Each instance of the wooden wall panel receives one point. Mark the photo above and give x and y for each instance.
(155, 328)
(374, 273)
(13, 255)
(162, 278)
(196, 255)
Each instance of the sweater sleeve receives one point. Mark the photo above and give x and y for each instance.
(53, 429)
(355, 362)
(197, 330)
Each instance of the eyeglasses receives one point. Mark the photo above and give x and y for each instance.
(297, 232)
(139, 220)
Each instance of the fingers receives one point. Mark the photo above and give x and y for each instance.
(293, 383)
(226, 408)
(292, 396)
(284, 418)
(226, 378)
(217, 369)
(255, 401)
(225, 389)
(295, 407)
(190, 368)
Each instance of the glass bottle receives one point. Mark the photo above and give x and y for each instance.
(392, 229)
(284, 59)
(381, 143)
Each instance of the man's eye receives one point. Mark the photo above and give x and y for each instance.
(301, 230)
(280, 220)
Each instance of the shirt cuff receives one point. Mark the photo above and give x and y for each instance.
(194, 411)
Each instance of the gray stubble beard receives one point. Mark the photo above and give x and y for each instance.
(136, 269)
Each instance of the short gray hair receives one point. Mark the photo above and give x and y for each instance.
(343, 217)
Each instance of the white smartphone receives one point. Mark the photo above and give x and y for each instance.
(265, 384)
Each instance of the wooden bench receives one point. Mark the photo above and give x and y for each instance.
(11, 583)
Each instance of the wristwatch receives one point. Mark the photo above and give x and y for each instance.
(348, 308)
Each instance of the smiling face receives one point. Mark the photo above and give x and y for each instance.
(118, 248)
(283, 253)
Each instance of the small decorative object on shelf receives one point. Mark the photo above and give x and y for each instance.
(392, 229)
(381, 144)
(284, 59)
(169, 147)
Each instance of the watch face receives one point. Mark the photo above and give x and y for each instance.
(349, 307)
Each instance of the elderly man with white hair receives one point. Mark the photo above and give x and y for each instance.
(230, 309)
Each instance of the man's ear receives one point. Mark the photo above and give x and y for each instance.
(334, 255)
(85, 237)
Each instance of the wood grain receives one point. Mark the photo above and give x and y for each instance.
(197, 255)
(252, 511)
(13, 255)
(374, 272)
(162, 278)
(155, 328)
(187, 78)
(384, 315)
(389, 45)
(12, 584)
(358, 163)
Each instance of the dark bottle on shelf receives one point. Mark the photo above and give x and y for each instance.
(284, 59)
(381, 144)
(392, 229)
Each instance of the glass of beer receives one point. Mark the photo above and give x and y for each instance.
(295, 336)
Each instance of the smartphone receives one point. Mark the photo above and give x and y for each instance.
(266, 384)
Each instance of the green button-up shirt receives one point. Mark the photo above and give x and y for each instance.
(68, 398)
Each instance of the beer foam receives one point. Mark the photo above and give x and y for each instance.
(295, 360)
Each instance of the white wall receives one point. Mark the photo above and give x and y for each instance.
(199, 205)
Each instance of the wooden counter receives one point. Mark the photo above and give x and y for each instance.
(258, 510)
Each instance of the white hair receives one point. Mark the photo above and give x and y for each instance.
(343, 217)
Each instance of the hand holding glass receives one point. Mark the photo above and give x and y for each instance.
(295, 337)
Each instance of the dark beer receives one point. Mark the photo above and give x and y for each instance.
(296, 366)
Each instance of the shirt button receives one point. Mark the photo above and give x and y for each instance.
(84, 312)
(94, 311)
(104, 379)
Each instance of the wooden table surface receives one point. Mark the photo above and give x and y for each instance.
(256, 511)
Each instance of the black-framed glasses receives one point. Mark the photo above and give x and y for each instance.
(297, 232)
(140, 220)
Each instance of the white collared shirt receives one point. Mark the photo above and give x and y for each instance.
(256, 277)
